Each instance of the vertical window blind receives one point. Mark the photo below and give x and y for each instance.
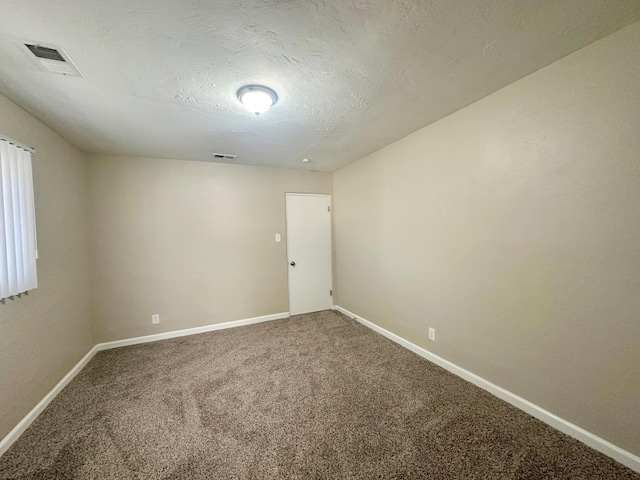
(18, 249)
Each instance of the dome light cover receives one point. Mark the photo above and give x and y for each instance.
(257, 98)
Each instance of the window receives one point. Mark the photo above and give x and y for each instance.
(18, 250)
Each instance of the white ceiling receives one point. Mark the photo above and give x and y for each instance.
(352, 75)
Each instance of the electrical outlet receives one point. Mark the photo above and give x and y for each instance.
(432, 334)
(278, 238)
(155, 318)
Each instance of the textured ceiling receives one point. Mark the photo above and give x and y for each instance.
(352, 75)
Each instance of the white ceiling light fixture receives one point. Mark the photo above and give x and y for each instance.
(257, 98)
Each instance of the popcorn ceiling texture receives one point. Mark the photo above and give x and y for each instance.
(313, 396)
(352, 75)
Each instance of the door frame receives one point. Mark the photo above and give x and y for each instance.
(286, 233)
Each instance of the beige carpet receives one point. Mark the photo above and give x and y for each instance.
(314, 396)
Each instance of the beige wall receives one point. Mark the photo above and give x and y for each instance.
(192, 241)
(45, 333)
(513, 228)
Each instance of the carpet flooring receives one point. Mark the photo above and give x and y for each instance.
(316, 396)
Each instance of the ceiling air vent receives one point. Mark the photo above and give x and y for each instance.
(52, 59)
(223, 156)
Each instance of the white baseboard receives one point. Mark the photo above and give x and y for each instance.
(19, 429)
(28, 419)
(624, 457)
(190, 331)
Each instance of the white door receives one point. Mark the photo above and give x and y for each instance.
(309, 252)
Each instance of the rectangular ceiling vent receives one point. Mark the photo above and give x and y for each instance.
(52, 59)
(224, 156)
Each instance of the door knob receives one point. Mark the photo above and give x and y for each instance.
(293, 264)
